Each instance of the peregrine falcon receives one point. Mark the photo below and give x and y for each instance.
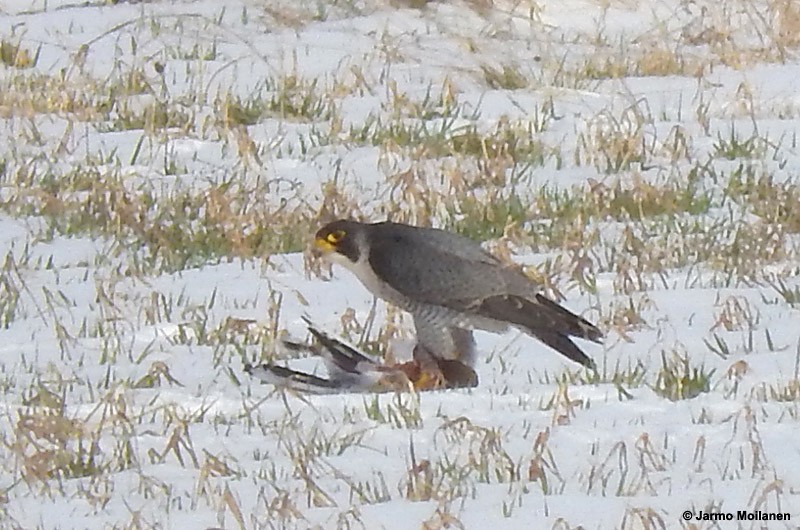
(451, 286)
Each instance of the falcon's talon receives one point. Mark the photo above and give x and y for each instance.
(430, 381)
(425, 378)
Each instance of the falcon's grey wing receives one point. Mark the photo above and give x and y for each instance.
(449, 242)
(426, 272)
(440, 276)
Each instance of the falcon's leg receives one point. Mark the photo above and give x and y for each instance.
(444, 357)
(464, 346)
(458, 375)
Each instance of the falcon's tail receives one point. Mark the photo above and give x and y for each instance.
(576, 326)
(545, 320)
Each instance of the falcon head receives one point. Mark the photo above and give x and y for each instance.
(340, 241)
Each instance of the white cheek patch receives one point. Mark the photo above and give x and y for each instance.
(339, 259)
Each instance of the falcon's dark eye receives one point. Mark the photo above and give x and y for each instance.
(335, 237)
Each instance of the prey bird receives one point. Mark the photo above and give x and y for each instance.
(350, 370)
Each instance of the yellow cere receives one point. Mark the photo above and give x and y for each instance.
(334, 237)
(328, 243)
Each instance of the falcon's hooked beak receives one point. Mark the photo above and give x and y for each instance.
(336, 242)
(322, 246)
(327, 241)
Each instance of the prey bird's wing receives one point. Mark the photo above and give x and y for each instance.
(345, 364)
(348, 369)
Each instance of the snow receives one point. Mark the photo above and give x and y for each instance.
(534, 446)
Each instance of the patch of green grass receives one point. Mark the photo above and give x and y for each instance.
(630, 376)
(733, 147)
(613, 144)
(39, 93)
(197, 52)
(506, 77)
(634, 201)
(432, 106)
(185, 228)
(483, 218)
(156, 116)
(286, 98)
(557, 218)
(678, 379)
(641, 199)
(653, 61)
(789, 294)
(402, 412)
(775, 202)
(9, 292)
(13, 55)
(736, 249)
(516, 142)
(50, 445)
(785, 392)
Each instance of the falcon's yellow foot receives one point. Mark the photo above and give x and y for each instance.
(438, 375)
(428, 377)
(430, 380)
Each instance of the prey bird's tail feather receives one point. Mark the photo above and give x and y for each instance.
(287, 377)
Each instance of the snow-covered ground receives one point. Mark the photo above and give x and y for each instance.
(162, 164)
